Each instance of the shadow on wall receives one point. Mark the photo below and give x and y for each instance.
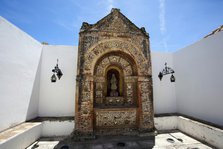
(32, 109)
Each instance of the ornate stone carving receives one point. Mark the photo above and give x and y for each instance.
(88, 41)
(128, 70)
(113, 60)
(145, 90)
(99, 79)
(147, 109)
(123, 62)
(115, 118)
(99, 93)
(114, 45)
(129, 93)
(114, 101)
(105, 47)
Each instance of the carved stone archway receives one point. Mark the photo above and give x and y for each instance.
(115, 114)
(114, 79)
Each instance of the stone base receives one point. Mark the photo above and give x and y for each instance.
(80, 136)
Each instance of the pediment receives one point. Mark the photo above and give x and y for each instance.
(114, 22)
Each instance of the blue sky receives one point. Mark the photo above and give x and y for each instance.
(172, 24)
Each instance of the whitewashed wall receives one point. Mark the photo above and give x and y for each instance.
(19, 59)
(27, 92)
(163, 91)
(57, 99)
(199, 85)
(57, 128)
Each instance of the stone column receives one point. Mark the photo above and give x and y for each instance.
(84, 116)
(146, 123)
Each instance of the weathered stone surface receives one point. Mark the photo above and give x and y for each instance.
(113, 46)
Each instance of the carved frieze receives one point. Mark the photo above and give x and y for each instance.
(113, 60)
(105, 47)
(115, 118)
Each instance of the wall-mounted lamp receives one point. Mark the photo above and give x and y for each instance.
(56, 71)
(166, 71)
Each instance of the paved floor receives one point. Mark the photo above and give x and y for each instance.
(176, 140)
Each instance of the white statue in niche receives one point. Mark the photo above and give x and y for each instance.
(114, 87)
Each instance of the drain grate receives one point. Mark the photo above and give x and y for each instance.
(121, 144)
(170, 140)
(179, 139)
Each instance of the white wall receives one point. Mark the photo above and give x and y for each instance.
(163, 91)
(52, 128)
(199, 85)
(57, 99)
(22, 137)
(27, 92)
(19, 59)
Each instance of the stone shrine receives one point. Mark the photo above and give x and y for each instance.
(114, 79)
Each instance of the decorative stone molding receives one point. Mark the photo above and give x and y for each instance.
(115, 47)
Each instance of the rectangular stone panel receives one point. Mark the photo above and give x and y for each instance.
(115, 118)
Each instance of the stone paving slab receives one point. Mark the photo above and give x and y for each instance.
(179, 141)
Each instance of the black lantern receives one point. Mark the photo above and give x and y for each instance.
(59, 74)
(56, 71)
(166, 71)
(160, 76)
(172, 78)
(53, 78)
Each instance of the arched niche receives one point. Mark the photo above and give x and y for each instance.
(124, 71)
(114, 80)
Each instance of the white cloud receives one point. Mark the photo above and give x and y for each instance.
(162, 14)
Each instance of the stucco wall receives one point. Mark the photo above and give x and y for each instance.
(163, 91)
(199, 85)
(57, 128)
(57, 99)
(19, 59)
(27, 92)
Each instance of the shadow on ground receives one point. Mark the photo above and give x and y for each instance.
(109, 142)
